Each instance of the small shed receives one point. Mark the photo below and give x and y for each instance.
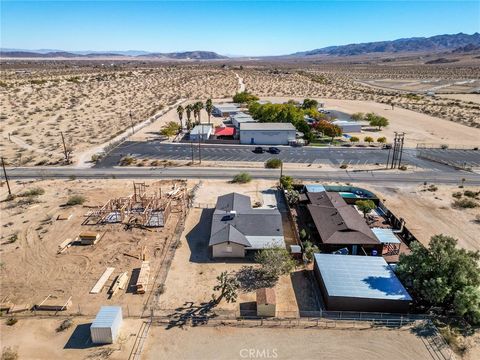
(106, 326)
(266, 302)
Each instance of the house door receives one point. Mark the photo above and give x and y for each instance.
(252, 141)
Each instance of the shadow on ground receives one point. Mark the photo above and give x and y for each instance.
(80, 338)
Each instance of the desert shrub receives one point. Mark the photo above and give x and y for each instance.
(465, 204)
(432, 188)
(273, 163)
(470, 193)
(402, 167)
(354, 139)
(127, 161)
(75, 200)
(65, 324)
(9, 354)
(11, 321)
(32, 192)
(457, 195)
(454, 339)
(242, 178)
(343, 166)
(12, 238)
(382, 140)
(444, 146)
(96, 157)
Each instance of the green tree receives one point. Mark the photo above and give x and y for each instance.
(286, 182)
(244, 97)
(354, 139)
(189, 110)
(368, 139)
(180, 110)
(382, 140)
(358, 116)
(170, 129)
(376, 120)
(328, 129)
(228, 287)
(443, 276)
(275, 262)
(365, 206)
(309, 250)
(309, 104)
(209, 108)
(467, 304)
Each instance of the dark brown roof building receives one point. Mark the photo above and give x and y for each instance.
(338, 223)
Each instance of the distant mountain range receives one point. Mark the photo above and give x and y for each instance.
(456, 43)
(439, 43)
(51, 53)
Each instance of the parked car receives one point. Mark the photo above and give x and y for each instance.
(387, 146)
(258, 150)
(274, 150)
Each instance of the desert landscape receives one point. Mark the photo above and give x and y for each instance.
(92, 103)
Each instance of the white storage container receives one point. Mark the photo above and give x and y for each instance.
(106, 326)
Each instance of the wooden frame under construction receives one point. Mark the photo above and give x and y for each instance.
(139, 208)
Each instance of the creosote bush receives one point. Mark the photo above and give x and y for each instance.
(75, 200)
(273, 163)
(242, 178)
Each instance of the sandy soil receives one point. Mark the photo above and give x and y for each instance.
(93, 107)
(31, 268)
(463, 97)
(227, 343)
(36, 338)
(428, 213)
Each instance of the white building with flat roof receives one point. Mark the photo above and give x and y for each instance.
(201, 131)
(241, 118)
(224, 110)
(267, 133)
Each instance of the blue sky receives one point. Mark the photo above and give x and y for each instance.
(227, 27)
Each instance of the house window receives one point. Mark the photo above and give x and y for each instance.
(229, 249)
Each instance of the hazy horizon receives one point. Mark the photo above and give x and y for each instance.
(244, 28)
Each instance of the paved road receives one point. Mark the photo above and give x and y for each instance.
(462, 158)
(243, 153)
(227, 173)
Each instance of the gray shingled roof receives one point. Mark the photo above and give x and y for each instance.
(245, 221)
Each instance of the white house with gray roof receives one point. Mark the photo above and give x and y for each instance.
(238, 228)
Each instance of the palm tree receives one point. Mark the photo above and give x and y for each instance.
(209, 108)
(198, 106)
(180, 114)
(189, 109)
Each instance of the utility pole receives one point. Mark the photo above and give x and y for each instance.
(401, 140)
(131, 121)
(281, 170)
(200, 148)
(6, 178)
(65, 152)
(191, 146)
(388, 157)
(395, 150)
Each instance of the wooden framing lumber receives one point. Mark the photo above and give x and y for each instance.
(119, 283)
(143, 277)
(103, 279)
(64, 245)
